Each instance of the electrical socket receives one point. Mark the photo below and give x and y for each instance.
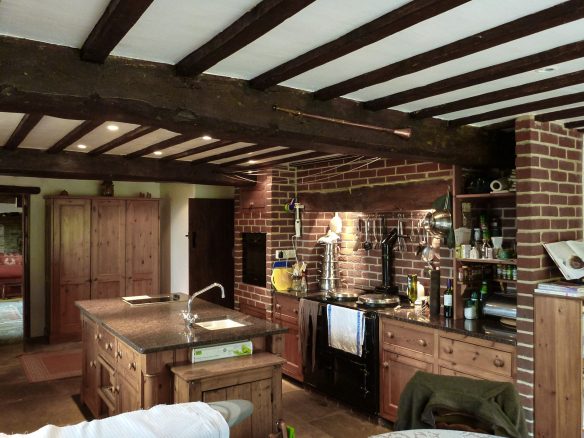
(285, 254)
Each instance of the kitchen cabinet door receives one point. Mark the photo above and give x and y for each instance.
(142, 247)
(286, 314)
(90, 379)
(68, 264)
(127, 396)
(108, 218)
(396, 372)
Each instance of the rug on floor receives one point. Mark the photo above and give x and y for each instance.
(52, 365)
(10, 321)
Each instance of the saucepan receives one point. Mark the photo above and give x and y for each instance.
(438, 222)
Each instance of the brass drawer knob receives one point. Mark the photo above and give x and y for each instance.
(389, 335)
(385, 364)
(448, 350)
(132, 366)
(295, 310)
(119, 354)
(96, 337)
(278, 307)
(499, 363)
(109, 346)
(99, 336)
(422, 342)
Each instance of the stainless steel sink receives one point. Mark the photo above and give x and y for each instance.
(219, 324)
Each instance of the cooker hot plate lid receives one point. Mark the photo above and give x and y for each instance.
(378, 300)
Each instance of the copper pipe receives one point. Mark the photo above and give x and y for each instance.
(403, 133)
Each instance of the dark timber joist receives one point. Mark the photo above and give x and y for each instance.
(75, 165)
(560, 114)
(138, 132)
(553, 56)
(84, 128)
(502, 95)
(118, 18)
(264, 156)
(231, 154)
(574, 124)
(53, 80)
(258, 21)
(397, 20)
(198, 150)
(520, 109)
(556, 15)
(160, 146)
(26, 124)
(20, 190)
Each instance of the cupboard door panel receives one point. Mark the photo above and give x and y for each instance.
(142, 247)
(108, 218)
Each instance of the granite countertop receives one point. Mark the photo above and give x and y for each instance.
(159, 326)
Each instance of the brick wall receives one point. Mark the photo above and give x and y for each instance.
(549, 209)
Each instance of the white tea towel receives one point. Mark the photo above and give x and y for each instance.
(346, 329)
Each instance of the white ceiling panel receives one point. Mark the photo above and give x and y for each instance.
(171, 29)
(181, 147)
(142, 142)
(101, 135)
(267, 160)
(249, 155)
(220, 150)
(547, 110)
(48, 131)
(61, 22)
(8, 123)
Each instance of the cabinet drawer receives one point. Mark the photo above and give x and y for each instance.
(106, 343)
(474, 358)
(128, 364)
(286, 306)
(407, 336)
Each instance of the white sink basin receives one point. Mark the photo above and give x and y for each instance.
(219, 324)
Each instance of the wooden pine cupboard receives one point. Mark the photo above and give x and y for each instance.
(97, 248)
(286, 314)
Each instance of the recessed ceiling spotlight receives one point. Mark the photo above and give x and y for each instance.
(113, 127)
(207, 137)
(249, 172)
(548, 69)
(81, 146)
(251, 162)
(157, 152)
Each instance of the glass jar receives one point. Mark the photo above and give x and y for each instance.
(470, 309)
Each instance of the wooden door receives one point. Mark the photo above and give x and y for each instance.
(127, 397)
(211, 248)
(70, 266)
(142, 247)
(90, 377)
(108, 237)
(396, 372)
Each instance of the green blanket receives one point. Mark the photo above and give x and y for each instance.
(495, 404)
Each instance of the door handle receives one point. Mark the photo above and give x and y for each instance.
(193, 237)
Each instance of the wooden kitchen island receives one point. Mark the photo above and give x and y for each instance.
(128, 351)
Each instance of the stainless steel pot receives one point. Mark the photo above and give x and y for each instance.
(438, 223)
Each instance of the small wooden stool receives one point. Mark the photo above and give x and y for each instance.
(256, 378)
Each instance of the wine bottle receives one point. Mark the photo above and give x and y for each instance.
(448, 308)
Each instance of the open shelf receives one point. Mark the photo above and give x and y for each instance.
(489, 261)
(470, 196)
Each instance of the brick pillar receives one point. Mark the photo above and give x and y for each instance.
(549, 209)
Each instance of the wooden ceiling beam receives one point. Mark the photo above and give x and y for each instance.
(160, 146)
(523, 108)
(75, 165)
(265, 16)
(395, 21)
(574, 124)
(523, 90)
(138, 132)
(81, 130)
(264, 156)
(560, 114)
(26, 124)
(119, 17)
(198, 150)
(230, 154)
(553, 56)
(563, 13)
(52, 80)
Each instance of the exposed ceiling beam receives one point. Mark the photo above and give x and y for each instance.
(527, 63)
(265, 16)
(574, 124)
(84, 128)
(399, 19)
(560, 114)
(560, 14)
(118, 18)
(264, 156)
(285, 160)
(523, 108)
(502, 95)
(138, 132)
(53, 80)
(20, 190)
(26, 124)
(198, 150)
(230, 154)
(75, 165)
(160, 146)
